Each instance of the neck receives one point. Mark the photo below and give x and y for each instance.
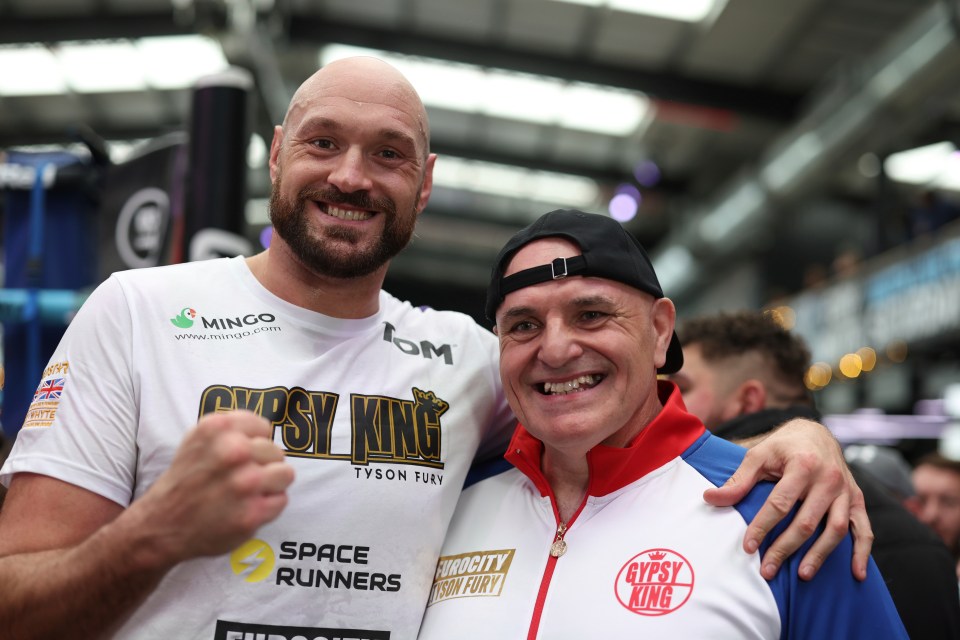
(288, 279)
(568, 477)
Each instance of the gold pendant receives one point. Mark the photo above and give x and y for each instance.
(558, 548)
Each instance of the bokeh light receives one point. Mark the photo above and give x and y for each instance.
(818, 376)
(850, 365)
(622, 207)
(625, 203)
(897, 351)
(784, 316)
(868, 358)
(647, 173)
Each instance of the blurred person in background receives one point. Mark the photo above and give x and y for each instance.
(743, 374)
(887, 467)
(936, 479)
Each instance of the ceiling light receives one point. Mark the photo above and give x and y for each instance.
(685, 10)
(515, 182)
(101, 66)
(935, 165)
(176, 62)
(511, 95)
(30, 70)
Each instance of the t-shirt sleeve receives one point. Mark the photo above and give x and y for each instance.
(81, 424)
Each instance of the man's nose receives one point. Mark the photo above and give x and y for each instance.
(928, 512)
(349, 172)
(558, 344)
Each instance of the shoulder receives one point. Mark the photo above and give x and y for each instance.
(176, 272)
(421, 318)
(716, 460)
(487, 469)
(501, 480)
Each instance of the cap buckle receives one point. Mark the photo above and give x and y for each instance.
(558, 268)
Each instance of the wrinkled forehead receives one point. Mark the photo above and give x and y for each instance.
(539, 252)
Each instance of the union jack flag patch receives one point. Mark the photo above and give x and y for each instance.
(49, 390)
(47, 397)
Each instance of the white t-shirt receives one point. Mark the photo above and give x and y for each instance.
(380, 417)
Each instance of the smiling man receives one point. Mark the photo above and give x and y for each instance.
(600, 529)
(154, 497)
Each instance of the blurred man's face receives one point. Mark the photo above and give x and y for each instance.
(938, 494)
(707, 391)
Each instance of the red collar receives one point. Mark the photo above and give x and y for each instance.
(666, 437)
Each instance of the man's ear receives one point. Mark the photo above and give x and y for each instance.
(275, 146)
(427, 187)
(751, 396)
(664, 316)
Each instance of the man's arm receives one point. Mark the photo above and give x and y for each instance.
(75, 564)
(807, 463)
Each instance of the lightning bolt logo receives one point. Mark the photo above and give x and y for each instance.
(253, 560)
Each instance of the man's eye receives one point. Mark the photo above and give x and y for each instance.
(323, 144)
(389, 154)
(591, 316)
(524, 326)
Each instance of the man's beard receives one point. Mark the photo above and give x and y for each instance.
(291, 222)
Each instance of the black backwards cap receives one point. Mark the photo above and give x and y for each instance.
(608, 251)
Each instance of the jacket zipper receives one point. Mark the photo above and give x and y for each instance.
(557, 549)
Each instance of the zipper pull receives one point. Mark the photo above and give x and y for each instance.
(559, 546)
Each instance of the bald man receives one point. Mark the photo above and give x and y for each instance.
(155, 497)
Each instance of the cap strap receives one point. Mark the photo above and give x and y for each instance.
(557, 269)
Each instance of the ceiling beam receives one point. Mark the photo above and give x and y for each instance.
(768, 104)
(764, 103)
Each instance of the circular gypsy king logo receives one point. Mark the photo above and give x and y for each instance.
(654, 582)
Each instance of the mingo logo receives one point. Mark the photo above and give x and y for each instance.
(253, 560)
(185, 319)
(188, 317)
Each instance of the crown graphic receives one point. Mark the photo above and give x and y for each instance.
(658, 555)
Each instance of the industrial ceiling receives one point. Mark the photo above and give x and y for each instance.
(767, 118)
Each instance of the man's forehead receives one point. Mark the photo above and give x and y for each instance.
(340, 111)
(541, 251)
(360, 85)
(572, 293)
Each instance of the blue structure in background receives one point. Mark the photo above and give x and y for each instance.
(50, 262)
(70, 221)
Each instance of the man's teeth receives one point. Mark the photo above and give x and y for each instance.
(570, 386)
(345, 214)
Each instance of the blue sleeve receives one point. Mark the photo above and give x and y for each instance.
(835, 604)
(832, 605)
(487, 469)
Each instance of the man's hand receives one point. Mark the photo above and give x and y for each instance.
(807, 463)
(59, 543)
(225, 481)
